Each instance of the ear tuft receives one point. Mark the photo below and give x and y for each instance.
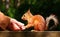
(28, 11)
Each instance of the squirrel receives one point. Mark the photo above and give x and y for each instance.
(38, 21)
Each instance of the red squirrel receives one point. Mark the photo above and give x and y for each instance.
(36, 21)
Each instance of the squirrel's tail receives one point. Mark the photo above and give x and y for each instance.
(51, 17)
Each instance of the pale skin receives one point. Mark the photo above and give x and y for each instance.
(17, 25)
(8, 20)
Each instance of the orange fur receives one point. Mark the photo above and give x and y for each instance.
(37, 21)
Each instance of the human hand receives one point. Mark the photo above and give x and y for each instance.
(16, 25)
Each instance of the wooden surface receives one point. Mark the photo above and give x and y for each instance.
(29, 34)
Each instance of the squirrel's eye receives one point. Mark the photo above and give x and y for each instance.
(24, 15)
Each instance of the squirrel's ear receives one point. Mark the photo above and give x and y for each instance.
(28, 11)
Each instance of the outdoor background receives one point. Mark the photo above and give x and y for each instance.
(16, 8)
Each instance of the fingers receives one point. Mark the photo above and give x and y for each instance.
(17, 25)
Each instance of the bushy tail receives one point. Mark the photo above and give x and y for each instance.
(51, 17)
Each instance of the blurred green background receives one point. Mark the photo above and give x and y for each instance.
(16, 8)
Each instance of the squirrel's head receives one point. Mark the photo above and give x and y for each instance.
(26, 15)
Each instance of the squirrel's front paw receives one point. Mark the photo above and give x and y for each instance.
(33, 31)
